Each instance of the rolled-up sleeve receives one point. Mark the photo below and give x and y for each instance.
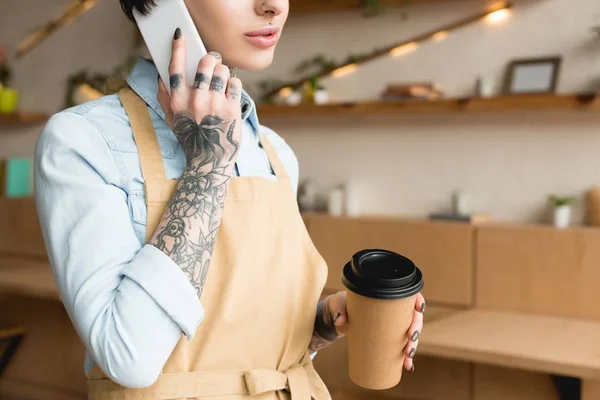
(129, 303)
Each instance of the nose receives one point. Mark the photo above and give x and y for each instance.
(270, 7)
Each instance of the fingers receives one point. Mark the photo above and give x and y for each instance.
(420, 303)
(414, 332)
(409, 363)
(177, 65)
(234, 90)
(338, 312)
(409, 354)
(206, 69)
(219, 80)
(415, 328)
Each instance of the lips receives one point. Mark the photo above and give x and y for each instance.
(265, 37)
(266, 31)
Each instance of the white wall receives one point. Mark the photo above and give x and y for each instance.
(405, 165)
(97, 42)
(410, 165)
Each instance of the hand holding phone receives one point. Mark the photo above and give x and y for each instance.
(158, 27)
(206, 116)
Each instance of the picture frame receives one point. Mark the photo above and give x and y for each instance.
(532, 76)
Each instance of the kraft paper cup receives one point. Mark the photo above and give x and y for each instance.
(382, 288)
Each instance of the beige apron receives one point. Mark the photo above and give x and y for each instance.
(261, 295)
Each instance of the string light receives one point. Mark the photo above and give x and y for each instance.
(497, 16)
(285, 92)
(494, 14)
(345, 70)
(441, 35)
(404, 49)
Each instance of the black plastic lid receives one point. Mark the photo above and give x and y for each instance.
(382, 274)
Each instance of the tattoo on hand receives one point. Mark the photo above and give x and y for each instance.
(234, 92)
(217, 84)
(202, 142)
(235, 144)
(188, 230)
(325, 331)
(200, 79)
(176, 80)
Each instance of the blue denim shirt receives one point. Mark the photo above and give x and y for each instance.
(129, 302)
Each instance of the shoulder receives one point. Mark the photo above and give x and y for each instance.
(82, 132)
(86, 122)
(285, 153)
(279, 143)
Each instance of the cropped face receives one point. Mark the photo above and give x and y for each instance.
(245, 32)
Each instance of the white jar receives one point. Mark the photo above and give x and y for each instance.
(352, 199)
(485, 87)
(307, 198)
(321, 96)
(294, 98)
(335, 202)
(562, 216)
(460, 203)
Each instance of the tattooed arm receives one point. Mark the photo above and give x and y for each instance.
(204, 118)
(189, 226)
(330, 322)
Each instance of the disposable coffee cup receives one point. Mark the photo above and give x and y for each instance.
(382, 288)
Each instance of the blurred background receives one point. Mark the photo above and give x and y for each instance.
(463, 134)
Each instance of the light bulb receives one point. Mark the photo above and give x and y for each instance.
(441, 35)
(497, 16)
(405, 48)
(285, 92)
(345, 70)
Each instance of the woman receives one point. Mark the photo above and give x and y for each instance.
(139, 193)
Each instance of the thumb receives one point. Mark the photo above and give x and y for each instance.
(338, 311)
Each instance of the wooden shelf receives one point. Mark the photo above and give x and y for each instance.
(584, 102)
(312, 6)
(22, 119)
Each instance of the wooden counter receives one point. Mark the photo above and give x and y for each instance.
(552, 345)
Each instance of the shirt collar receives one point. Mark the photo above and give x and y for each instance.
(143, 80)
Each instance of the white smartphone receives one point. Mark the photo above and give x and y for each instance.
(158, 29)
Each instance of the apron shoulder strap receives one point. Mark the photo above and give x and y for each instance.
(113, 85)
(144, 134)
(274, 159)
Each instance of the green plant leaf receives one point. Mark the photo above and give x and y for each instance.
(559, 201)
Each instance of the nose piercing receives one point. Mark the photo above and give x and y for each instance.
(262, 7)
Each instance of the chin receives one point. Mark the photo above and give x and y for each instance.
(255, 61)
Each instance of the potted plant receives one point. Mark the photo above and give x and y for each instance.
(8, 97)
(561, 206)
(318, 93)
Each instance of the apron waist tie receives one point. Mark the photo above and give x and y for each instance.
(181, 385)
(294, 380)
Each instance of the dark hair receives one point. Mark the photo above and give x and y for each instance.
(142, 6)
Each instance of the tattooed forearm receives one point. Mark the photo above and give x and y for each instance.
(188, 229)
(325, 332)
